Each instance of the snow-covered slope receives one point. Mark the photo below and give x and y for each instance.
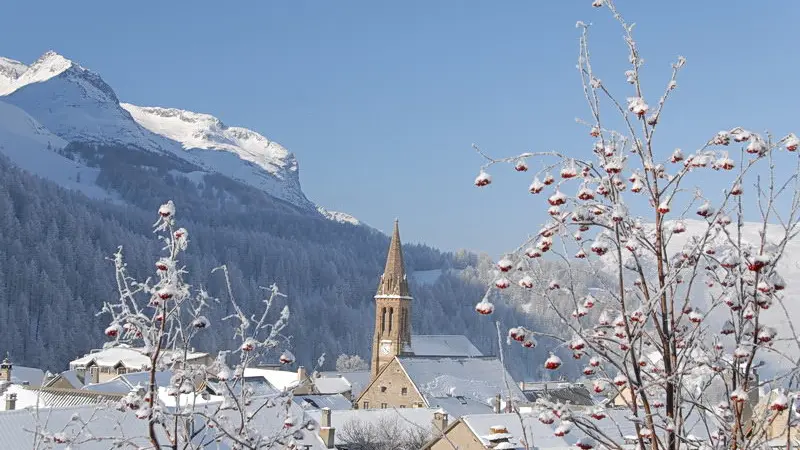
(35, 149)
(77, 105)
(203, 131)
(10, 70)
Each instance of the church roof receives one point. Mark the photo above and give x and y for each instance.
(443, 345)
(479, 379)
(394, 282)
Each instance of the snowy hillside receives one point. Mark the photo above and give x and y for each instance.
(33, 148)
(788, 267)
(77, 105)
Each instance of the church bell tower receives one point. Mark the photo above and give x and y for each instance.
(392, 308)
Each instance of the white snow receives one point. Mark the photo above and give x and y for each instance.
(10, 70)
(203, 131)
(34, 148)
(337, 216)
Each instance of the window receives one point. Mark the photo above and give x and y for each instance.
(391, 318)
(383, 388)
(402, 406)
(461, 399)
(366, 405)
(404, 391)
(383, 405)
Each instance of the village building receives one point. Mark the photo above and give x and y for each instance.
(103, 365)
(426, 371)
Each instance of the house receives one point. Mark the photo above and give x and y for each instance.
(426, 371)
(440, 382)
(103, 365)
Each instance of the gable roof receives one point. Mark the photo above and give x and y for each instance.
(70, 376)
(478, 379)
(455, 345)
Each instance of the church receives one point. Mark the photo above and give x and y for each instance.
(426, 371)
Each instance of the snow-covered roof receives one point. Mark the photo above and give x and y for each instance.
(404, 417)
(15, 426)
(27, 375)
(279, 379)
(103, 422)
(479, 379)
(443, 345)
(358, 380)
(457, 407)
(131, 358)
(537, 434)
(52, 398)
(573, 393)
(122, 384)
(335, 402)
(331, 385)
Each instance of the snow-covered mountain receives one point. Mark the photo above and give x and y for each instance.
(76, 105)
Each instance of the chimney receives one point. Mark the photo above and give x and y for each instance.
(94, 373)
(5, 369)
(11, 402)
(326, 431)
(440, 420)
(497, 404)
(301, 374)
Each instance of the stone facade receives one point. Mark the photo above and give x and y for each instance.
(391, 389)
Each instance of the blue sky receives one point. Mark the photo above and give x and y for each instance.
(381, 101)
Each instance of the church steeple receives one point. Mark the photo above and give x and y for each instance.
(392, 308)
(393, 280)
